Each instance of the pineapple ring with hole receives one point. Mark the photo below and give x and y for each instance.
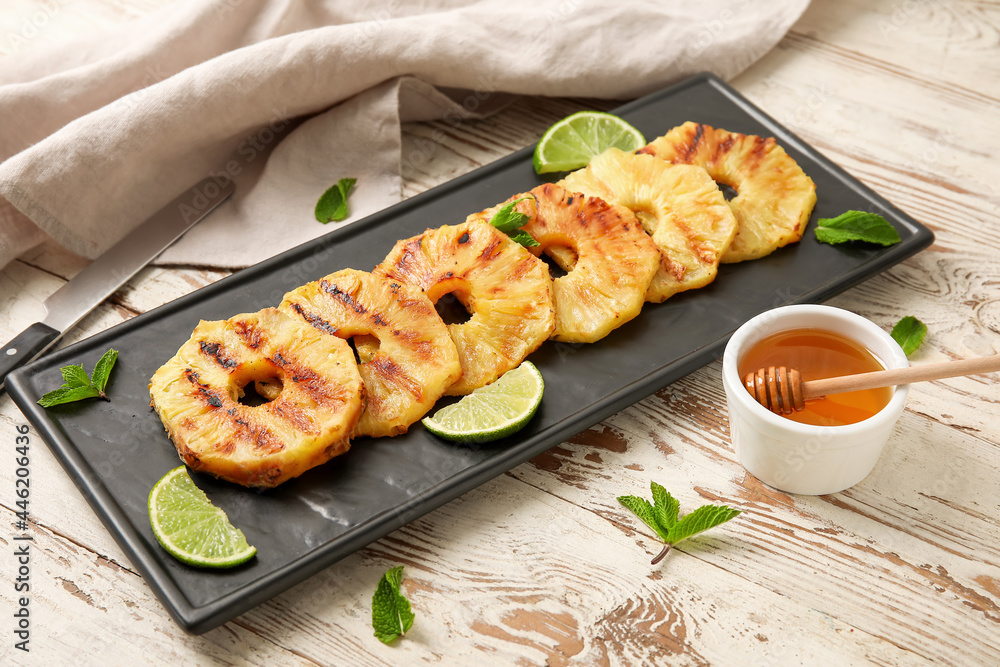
(407, 359)
(609, 259)
(680, 206)
(774, 197)
(197, 397)
(506, 290)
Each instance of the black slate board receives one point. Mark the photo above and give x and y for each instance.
(115, 451)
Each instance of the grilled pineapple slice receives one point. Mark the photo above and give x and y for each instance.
(506, 290)
(609, 259)
(197, 397)
(680, 206)
(407, 359)
(774, 196)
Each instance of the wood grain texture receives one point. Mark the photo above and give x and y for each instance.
(542, 565)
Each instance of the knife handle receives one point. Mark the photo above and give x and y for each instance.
(27, 345)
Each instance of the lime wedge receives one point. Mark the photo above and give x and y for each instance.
(191, 528)
(570, 143)
(491, 412)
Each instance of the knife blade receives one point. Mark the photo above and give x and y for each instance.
(89, 288)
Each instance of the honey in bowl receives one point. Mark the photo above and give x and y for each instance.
(819, 354)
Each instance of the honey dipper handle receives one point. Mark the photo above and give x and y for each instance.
(921, 373)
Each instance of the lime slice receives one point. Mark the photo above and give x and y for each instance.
(191, 528)
(491, 412)
(570, 143)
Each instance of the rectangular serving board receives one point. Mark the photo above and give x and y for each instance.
(116, 451)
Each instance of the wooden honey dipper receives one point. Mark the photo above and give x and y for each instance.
(780, 389)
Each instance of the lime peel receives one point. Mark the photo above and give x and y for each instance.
(191, 528)
(571, 142)
(492, 412)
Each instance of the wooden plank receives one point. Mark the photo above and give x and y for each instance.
(941, 40)
(23, 290)
(156, 285)
(876, 556)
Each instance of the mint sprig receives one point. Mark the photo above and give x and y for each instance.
(391, 614)
(909, 332)
(77, 385)
(662, 516)
(332, 204)
(857, 226)
(509, 220)
(525, 239)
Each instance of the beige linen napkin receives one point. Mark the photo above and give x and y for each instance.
(286, 97)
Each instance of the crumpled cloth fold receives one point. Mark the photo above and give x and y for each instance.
(285, 97)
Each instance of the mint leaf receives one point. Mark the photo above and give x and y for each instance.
(665, 507)
(661, 516)
(391, 614)
(77, 385)
(700, 520)
(909, 332)
(525, 239)
(642, 509)
(332, 204)
(102, 370)
(857, 226)
(75, 376)
(66, 394)
(508, 219)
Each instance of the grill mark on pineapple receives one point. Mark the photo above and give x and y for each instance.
(202, 391)
(225, 446)
(595, 213)
(672, 268)
(758, 152)
(295, 416)
(491, 250)
(407, 263)
(699, 133)
(415, 342)
(706, 252)
(546, 192)
(351, 302)
(393, 374)
(342, 296)
(689, 147)
(523, 268)
(419, 307)
(259, 436)
(724, 147)
(323, 391)
(251, 335)
(218, 354)
(315, 320)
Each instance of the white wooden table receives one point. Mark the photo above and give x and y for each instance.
(542, 565)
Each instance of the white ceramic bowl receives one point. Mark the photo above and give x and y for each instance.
(802, 458)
